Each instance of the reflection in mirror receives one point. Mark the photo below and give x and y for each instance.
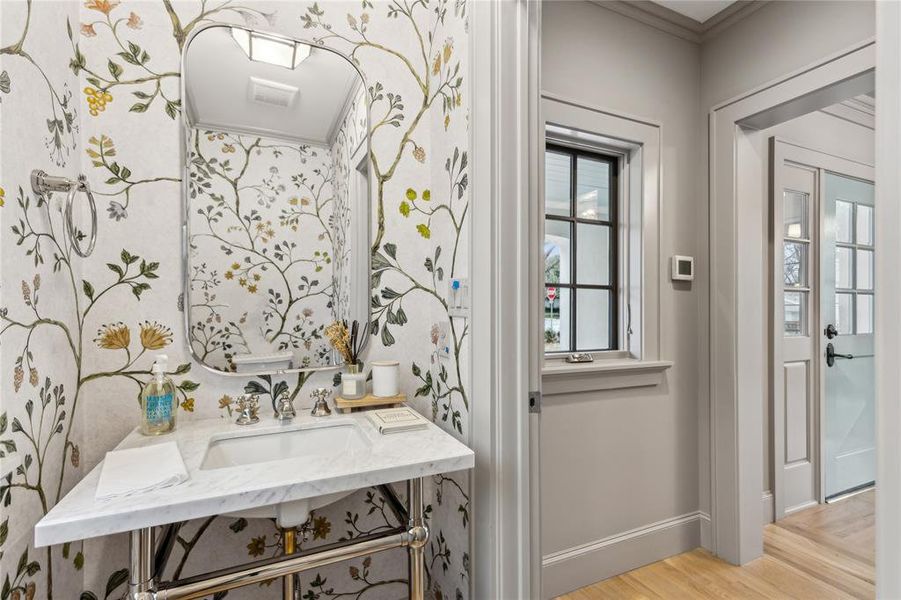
(277, 200)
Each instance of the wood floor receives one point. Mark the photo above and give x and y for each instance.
(822, 553)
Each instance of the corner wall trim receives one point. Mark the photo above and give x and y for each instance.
(588, 563)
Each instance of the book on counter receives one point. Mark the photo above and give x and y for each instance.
(397, 420)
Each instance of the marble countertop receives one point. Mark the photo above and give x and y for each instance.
(389, 458)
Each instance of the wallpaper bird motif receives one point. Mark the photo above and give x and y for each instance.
(93, 87)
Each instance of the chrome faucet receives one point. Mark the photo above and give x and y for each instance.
(320, 406)
(248, 406)
(284, 408)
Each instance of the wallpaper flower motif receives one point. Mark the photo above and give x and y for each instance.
(75, 333)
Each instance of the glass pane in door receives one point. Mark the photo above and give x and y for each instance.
(794, 207)
(795, 263)
(844, 219)
(849, 448)
(844, 276)
(864, 225)
(795, 313)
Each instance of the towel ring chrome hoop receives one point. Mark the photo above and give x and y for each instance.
(43, 184)
(81, 186)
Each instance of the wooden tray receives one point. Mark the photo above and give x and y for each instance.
(345, 406)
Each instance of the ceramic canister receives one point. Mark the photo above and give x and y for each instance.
(384, 378)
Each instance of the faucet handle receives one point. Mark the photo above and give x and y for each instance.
(320, 406)
(248, 407)
(284, 410)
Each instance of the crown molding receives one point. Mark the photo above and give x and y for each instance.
(673, 23)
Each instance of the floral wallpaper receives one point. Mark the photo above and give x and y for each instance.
(348, 151)
(93, 87)
(264, 234)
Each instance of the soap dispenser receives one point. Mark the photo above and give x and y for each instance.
(158, 404)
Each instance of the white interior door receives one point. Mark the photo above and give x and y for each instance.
(822, 417)
(847, 309)
(795, 372)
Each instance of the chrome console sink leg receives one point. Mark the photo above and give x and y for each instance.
(418, 535)
(141, 584)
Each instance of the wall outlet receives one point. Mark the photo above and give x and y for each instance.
(444, 340)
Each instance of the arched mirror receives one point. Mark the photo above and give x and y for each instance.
(276, 200)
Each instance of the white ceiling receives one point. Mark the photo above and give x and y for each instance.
(699, 10)
(217, 77)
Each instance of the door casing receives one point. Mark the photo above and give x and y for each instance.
(738, 274)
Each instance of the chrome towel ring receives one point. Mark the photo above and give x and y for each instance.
(44, 184)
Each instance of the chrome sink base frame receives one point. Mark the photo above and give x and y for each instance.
(148, 561)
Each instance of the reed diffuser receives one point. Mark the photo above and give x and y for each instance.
(349, 342)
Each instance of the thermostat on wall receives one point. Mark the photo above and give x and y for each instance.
(683, 268)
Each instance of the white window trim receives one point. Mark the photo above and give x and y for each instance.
(637, 142)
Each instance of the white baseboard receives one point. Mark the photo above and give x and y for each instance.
(769, 508)
(585, 564)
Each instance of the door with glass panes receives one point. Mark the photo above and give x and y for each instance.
(847, 320)
(823, 401)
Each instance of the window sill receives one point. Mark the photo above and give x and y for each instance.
(610, 374)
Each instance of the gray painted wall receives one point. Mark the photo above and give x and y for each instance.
(617, 460)
(778, 39)
(613, 461)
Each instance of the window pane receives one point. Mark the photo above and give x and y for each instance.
(864, 313)
(843, 308)
(592, 319)
(557, 184)
(795, 313)
(795, 263)
(592, 254)
(843, 268)
(557, 318)
(557, 251)
(794, 208)
(592, 189)
(864, 270)
(844, 212)
(864, 225)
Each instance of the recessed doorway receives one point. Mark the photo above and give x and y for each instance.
(822, 412)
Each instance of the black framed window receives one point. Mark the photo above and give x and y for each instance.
(580, 250)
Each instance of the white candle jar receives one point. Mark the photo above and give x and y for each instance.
(353, 383)
(384, 378)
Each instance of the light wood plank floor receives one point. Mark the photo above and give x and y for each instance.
(823, 553)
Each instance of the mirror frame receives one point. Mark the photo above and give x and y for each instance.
(184, 129)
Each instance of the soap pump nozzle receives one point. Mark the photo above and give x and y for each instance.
(159, 366)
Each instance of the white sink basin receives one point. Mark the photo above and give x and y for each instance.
(310, 441)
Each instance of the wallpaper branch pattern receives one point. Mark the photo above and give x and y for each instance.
(77, 335)
(262, 224)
